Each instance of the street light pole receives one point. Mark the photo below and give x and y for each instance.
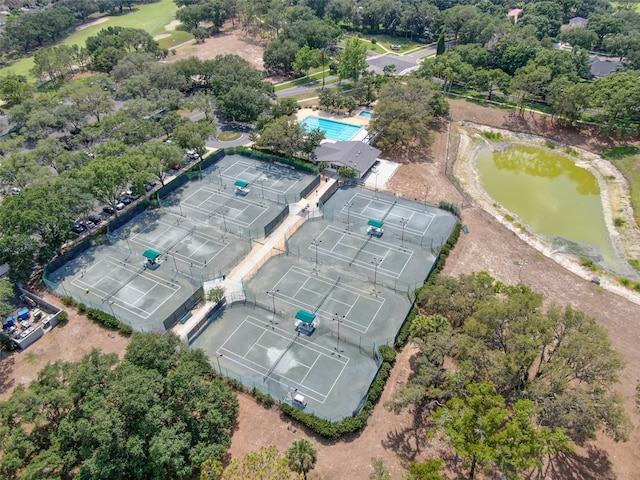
(262, 187)
(224, 221)
(110, 303)
(348, 205)
(338, 320)
(403, 222)
(376, 262)
(315, 243)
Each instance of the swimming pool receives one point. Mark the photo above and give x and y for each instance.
(366, 113)
(331, 128)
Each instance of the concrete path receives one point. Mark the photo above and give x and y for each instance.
(272, 245)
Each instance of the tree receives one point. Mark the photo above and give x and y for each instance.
(405, 111)
(215, 294)
(306, 58)
(244, 105)
(159, 413)
(266, 464)
(283, 135)
(430, 470)
(353, 61)
(6, 293)
(441, 47)
(205, 103)
(483, 431)
(158, 158)
(302, 456)
(211, 470)
(380, 470)
(345, 171)
(193, 136)
(15, 89)
(107, 178)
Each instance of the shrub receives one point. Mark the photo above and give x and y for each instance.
(63, 317)
(624, 281)
(403, 335)
(619, 222)
(267, 401)
(616, 153)
(509, 218)
(373, 40)
(108, 321)
(67, 300)
(388, 354)
(493, 136)
(82, 308)
(549, 144)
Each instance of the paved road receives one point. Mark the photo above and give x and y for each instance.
(404, 65)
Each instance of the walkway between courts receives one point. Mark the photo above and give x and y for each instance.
(272, 245)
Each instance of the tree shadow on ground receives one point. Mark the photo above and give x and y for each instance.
(408, 442)
(592, 463)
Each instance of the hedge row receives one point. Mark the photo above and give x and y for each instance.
(444, 253)
(98, 316)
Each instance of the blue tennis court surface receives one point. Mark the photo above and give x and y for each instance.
(331, 128)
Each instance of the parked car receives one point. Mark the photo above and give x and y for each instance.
(177, 166)
(79, 227)
(126, 199)
(89, 224)
(192, 155)
(96, 219)
(148, 186)
(120, 206)
(108, 209)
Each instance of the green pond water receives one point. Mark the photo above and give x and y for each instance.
(550, 194)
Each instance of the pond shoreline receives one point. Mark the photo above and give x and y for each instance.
(614, 194)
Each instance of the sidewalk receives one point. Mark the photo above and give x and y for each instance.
(274, 244)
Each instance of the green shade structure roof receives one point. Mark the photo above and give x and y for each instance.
(241, 184)
(304, 316)
(375, 223)
(151, 254)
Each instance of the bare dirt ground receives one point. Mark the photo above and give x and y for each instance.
(228, 41)
(69, 342)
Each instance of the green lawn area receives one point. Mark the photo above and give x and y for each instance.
(630, 167)
(151, 17)
(388, 40)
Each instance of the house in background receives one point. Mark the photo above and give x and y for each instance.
(357, 155)
(514, 13)
(603, 66)
(578, 22)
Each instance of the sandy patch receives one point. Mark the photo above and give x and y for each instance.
(614, 194)
(172, 25)
(91, 24)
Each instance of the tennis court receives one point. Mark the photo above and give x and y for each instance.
(329, 298)
(141, 293)
(362, 250)
(206, 203)
(363, 207)
(284, 357)
(266, 180)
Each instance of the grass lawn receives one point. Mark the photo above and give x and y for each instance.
(388, 40)
(630, 167)
(371, 46)
(151, 17)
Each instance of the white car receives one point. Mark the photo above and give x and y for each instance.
(120, 206)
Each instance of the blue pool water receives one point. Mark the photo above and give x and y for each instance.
(332, 129)
(366, 113)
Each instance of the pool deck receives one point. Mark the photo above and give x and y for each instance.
(354, 119)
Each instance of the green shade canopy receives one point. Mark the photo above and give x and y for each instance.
(241, 184)
(375, 223)
(151, 254)
(304, 316)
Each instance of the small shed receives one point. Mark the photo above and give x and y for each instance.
(305, 322)
(375, 227)
(152, 259)
(242, 187)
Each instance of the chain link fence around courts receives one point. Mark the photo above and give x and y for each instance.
(395, 285)
(424, 241)
(365, 347)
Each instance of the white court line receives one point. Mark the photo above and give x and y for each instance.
(282, 178)
(317, 349)
(349, 259)
(350, 305)
(429, 216)
(309, 369)
(358, 327)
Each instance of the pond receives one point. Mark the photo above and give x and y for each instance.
(552, 196)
